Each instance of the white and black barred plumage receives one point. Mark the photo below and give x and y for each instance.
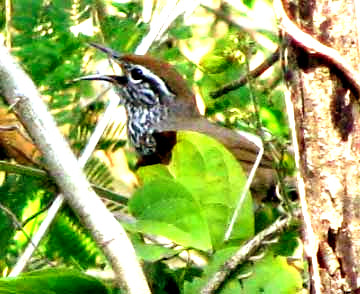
(146, 98)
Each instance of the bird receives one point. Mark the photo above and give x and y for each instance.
(159, 103)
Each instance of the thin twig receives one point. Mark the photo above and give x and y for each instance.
(226, 18)
(253, 99)
(160, 23)
(35, 240)
(59, 201)
(42, 174)
(16, 168)
(17, 224)
(35, 215)
(268, 62)
(243, 254)
(259, 143)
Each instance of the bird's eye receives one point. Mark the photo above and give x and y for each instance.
(136, 74)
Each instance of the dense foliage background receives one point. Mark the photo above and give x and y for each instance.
(191, 200)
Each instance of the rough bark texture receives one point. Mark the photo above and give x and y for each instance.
(327, 117)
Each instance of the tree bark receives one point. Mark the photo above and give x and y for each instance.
(327, 119)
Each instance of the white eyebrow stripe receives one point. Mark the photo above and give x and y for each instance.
(150, 75)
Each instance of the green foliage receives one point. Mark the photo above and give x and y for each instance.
(161, 279)
(168, 209)
(287, 279)
(16, 192)
(287, 243)
(130, 32)
(272, 274)
(52, 281)
(69, 243)
(49, 52)
(151, 252)
(53, 56)
(217, 260)
(180, 32)
(192, 199)
(249, 3)
(214, 64)
(98, 173)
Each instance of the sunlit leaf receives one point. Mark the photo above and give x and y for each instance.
(287, 279)
(194, 196)
(52, 281)
(165, 207)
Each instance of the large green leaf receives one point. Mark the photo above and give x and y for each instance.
(192, 199)
(164, 207)
(52, 281)
(287, 279)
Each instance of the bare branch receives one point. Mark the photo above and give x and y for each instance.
(160, 23)
(243, 254)
(20, 91)
(268, 62)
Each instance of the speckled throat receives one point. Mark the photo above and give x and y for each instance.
(144, 109)
(141, 126)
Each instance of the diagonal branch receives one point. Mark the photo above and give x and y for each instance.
(268, 62)
(62, 165)
(243, 254)
(42, 174)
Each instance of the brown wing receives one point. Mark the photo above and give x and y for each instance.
(240, 146)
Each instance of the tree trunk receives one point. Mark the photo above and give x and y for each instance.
(327, 119)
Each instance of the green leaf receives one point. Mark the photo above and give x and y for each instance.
(149, 173)
(214, 64)
(181, 33)
(151, 252)
(52, 281)
(269, 276)
(217, 260)
(273, 275)
(271, 121)
(164, 207)
(249, 3)
(191, 200)
(68, 241)
(216, 179)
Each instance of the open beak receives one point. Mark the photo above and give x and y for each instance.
(114, 79)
